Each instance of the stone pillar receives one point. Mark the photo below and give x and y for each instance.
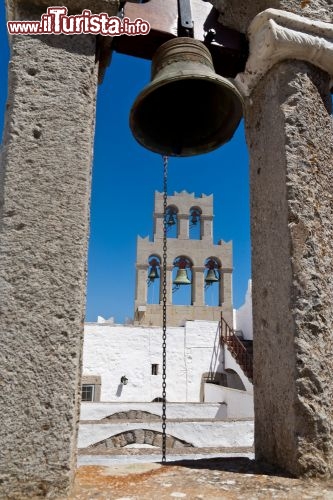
(206, 228)
(141, 284)
(169, 284)
(198, 286)
(183, 228)
(158, 226)
(290, 137)
(44, 225)
(226, 295)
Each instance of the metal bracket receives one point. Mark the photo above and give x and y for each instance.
(186, 24)
(121, 11)
(171, 18)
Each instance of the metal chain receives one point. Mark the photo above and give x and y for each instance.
(164, 301)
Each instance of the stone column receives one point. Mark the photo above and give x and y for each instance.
(206, 228)
(44, 225)
(226, 295)
(290, 137)
(221, 288)
(198, 286)
(158, 226)
(183, 228)
(169, 284)
(141, 284)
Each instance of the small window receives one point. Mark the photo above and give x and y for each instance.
(154, 369)
(88, 392)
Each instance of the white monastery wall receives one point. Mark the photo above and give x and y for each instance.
(239, 403)
(100, 411)
(233, 433)
(243, 316)
(112, 351)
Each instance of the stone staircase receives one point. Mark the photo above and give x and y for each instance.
(241, 349)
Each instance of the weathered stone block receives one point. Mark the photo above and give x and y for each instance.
(109, 443)
(130, 438)
(170, 441)
(100, 446)
(178, 444)
(157, 441)
(44, 223)
(149, 437)
(290, 136)
(119, 441)
(120, 415)
(238, 14)
(139, 436)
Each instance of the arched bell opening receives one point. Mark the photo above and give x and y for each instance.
(182, 281)
(172, 223)
(195, 223)
(154, 280)
(212, 282)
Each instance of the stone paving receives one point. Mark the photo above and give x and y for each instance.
(229, 478)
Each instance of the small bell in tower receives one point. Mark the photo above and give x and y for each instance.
(153, 273)
(195, 217)
(170, 219)
(212, 275)
(181, 276)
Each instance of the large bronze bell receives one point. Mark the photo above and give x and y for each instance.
(187, 109)
(181, 278)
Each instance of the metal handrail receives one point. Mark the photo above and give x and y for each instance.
(237, 348)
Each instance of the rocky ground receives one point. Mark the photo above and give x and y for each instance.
(206, 479)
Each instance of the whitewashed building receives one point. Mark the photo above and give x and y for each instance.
(206, 379)
(196, 361)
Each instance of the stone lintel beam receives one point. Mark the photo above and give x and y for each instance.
(276, 36)
(238, 14)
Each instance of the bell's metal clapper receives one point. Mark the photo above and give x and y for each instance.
(187, 109)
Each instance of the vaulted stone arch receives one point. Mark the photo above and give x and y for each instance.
(137, 436)
(133, 415)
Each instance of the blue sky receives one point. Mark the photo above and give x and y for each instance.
(125, 176)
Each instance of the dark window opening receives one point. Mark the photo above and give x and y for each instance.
(87, 392)
(154, 369)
